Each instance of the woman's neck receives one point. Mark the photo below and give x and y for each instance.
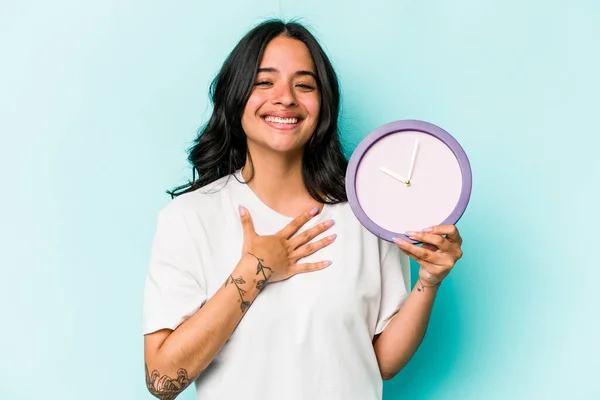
(278, 182)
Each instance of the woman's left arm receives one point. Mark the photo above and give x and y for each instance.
(401, 338)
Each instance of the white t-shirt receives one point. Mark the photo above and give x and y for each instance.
(308, 337)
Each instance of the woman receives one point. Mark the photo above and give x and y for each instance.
(262, 283)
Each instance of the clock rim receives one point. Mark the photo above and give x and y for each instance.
(395, 127)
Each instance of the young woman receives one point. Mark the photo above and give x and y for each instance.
(262, 284)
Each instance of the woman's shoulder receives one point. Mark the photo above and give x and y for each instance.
(205, 199)
(341, 210)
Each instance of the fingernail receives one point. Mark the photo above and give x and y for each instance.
(427, 230)
(329, 223)
(410, 233)
(326, 263)
(242, 211)
(332, 237)
(314, 211)
(398, 241)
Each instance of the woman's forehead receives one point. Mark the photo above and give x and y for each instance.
(285, 55)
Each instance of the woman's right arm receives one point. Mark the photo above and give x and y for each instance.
(174, 358)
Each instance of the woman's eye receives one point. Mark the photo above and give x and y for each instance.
(262, 83)
(305, 86)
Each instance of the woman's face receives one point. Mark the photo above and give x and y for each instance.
(283, 109)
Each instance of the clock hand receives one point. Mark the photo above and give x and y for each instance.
(395, 176)
(412, 161)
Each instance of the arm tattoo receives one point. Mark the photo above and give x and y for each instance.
(260, 268)
(164, 387)
(244, 305)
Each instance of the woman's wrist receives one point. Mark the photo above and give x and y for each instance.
(252, 267)
(428, 281)
(263, 272)
(423, 285)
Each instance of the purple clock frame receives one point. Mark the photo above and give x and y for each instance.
(395, 127)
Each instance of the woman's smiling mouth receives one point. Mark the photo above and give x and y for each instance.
(282, 122)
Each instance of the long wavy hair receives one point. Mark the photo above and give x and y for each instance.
(221, 149)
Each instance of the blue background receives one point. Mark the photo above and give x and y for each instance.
(100, 99)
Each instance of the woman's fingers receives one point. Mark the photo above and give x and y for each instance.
(309, 267)
(451, 232)
(311, 248)
(434, 239)
(310, 234)
(247, 224)
(439, 243)
(419, 253)
(428, 269)
(297, 223)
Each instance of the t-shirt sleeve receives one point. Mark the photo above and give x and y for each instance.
(174, 287)
(395, 282)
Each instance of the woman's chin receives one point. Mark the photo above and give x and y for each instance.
(284, 143)
(280, 143)
(287, 149)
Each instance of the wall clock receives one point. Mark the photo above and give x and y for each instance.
(405, 176)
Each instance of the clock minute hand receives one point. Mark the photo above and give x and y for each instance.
(412, 161)
(394, 175)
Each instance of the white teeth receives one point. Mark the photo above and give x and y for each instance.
(282, 120)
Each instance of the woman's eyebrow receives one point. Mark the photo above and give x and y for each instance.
(300, 73)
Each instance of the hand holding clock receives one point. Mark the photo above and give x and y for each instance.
(440, 251)
(393, 209)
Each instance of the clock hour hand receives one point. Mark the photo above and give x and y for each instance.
(395, 175)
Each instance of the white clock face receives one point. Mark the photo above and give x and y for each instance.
(407, 181)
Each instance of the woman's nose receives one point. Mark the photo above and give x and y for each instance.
(284, 95)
